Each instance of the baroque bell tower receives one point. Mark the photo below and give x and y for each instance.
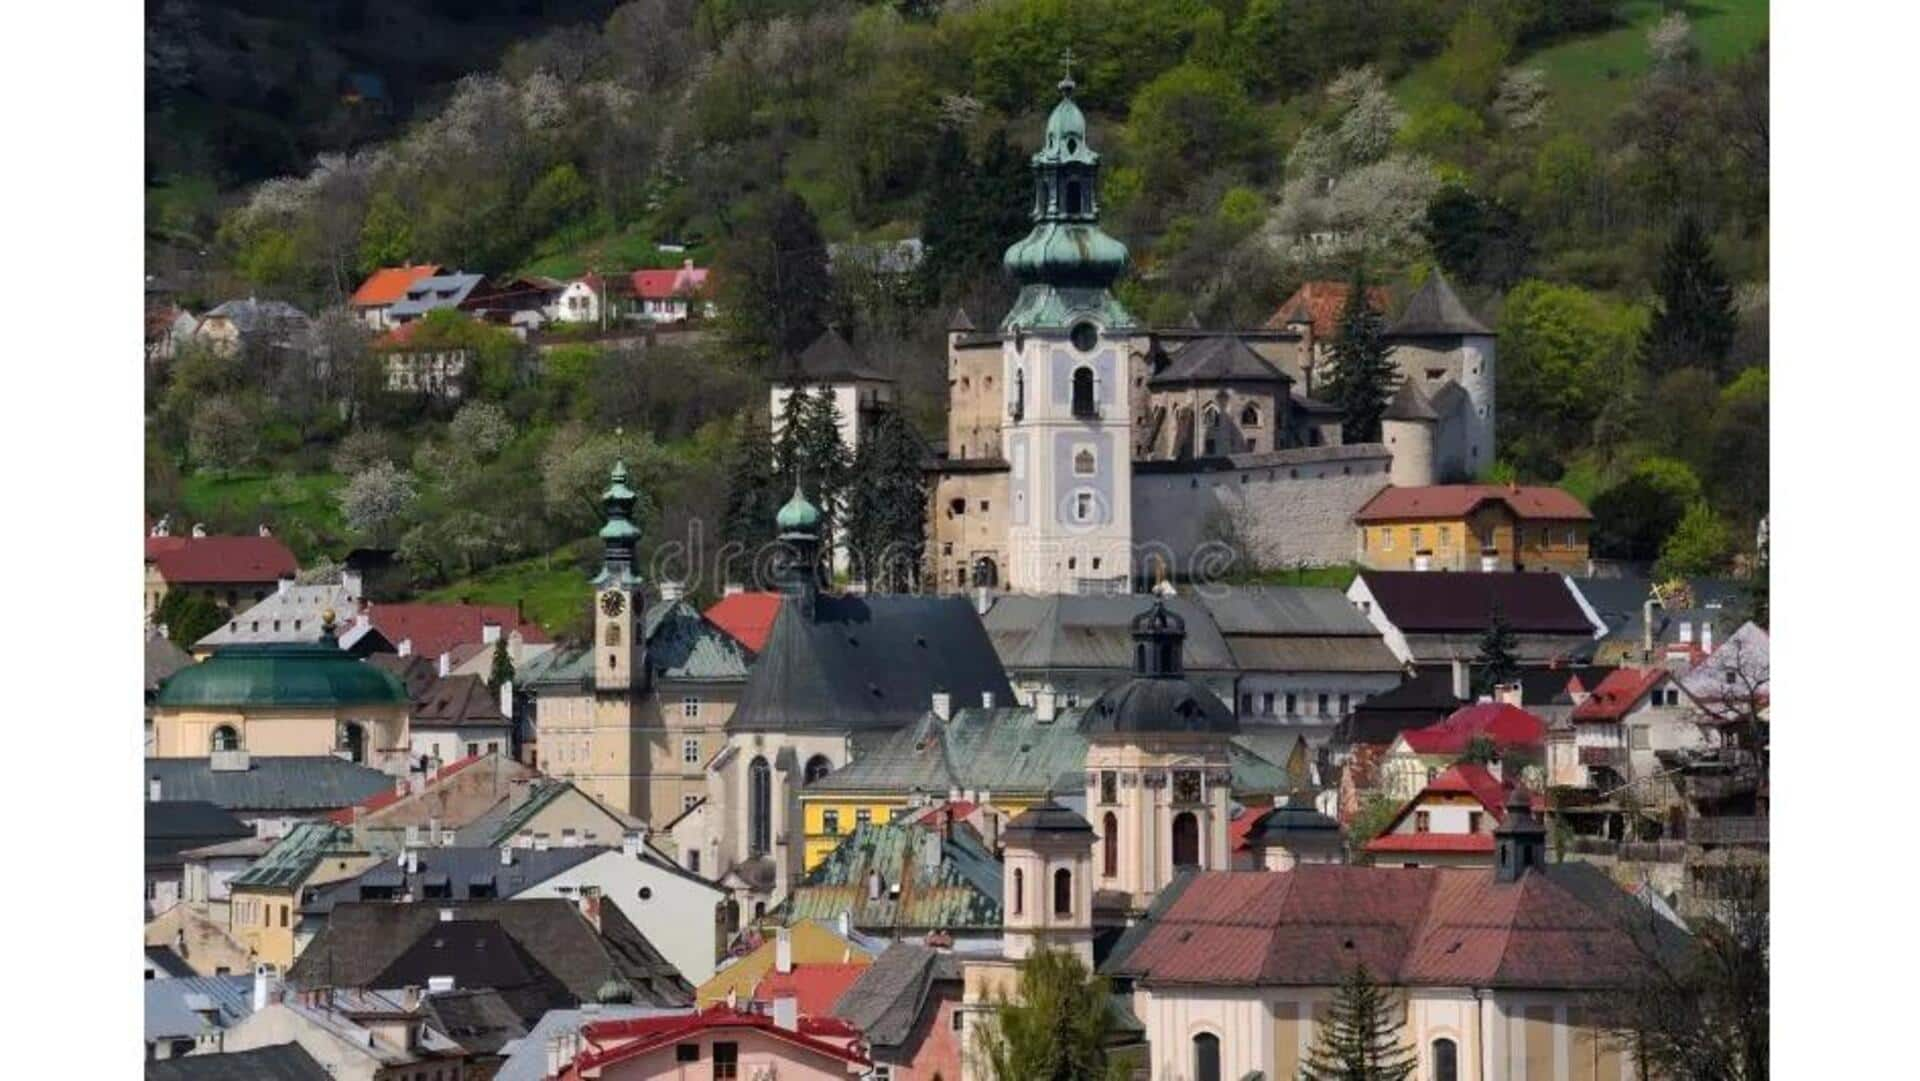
(618, 596)
(1067, 435)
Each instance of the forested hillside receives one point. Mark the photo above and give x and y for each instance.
(1591, 175)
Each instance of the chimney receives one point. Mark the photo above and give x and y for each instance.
(413, 861)
(506, 699)
(264, 531)
(590, 905)
(844, 922)
(199, 529)
(982, 600)
(404, 648)
(1462, 680)
(489, 632)
(874, 883)
(783, 950)
(1646, 627)
(284, 583)
(446, 916)
(943, 705)
(634, 842)
(439, 985)
(1044, 705)
(1508, 693)
(986, 699)
(446, 663)
(153, 790)
(266, 986)
(929, 855)
(786, 1012)
(672, 589)
(506, 855)
(1686, 632)
(733, 588)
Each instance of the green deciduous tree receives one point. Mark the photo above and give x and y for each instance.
(975, 207)
(1632, 519)
(1737, 447)
(1188, 120)
(1564, 353)
(1477, 239)
(386, 236)
(1700, 545)
(887, 506)
(188, 616)
(1058, 1029)
(223, 435)
(1363, 376)
(1361, 1040)
(1695, 323)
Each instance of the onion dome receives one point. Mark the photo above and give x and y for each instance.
(799, 515)
(1066, 247)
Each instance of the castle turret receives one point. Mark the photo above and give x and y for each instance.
(617, 663)
(1407, 427)
(1437, 334)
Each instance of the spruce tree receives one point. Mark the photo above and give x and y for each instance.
(1363, 375)
(502, 671)
(1695, 325)
(1361, 1040)
(1497, 661)
(886, 506)
(774, 279)
(809, 451)
(753, 492)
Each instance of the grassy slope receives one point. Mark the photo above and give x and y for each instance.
(1591, 77)
(550, 587)
(285, 501)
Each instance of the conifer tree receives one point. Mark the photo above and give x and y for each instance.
(886, 506)
(1497, 661)
(1361, 1040)
(753, 493)
(1695, 325)
(1363, 375)
(502, 670)
(809, 451)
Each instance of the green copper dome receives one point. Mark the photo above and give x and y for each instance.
(798, 516)
(302, 674)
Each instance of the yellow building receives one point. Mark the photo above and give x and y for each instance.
(1474, 527)
(808, 942)
(265, 904)
(283, 699)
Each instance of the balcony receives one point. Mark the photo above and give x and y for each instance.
(1714, 787)
(1727, 830)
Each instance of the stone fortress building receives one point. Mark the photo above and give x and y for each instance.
(1089, 453)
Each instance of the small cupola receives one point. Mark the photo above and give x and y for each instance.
(1159, 639)
(619, 536)
(1520, 842)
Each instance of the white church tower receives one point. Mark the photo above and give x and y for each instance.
(1067, 436)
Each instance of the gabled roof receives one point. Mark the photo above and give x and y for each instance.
(480, 1021)
(1738, 667)
(434, 629)
(293, 614)
(1428, 602)
(1462, 778)
(210, 560)
(886, 1001)
(173, 826)
(279, 1062)
(168, 1014)
(866, 663)
(388, 284)
(747, 615)
(1436, 312)
(1506, 725)
(1528, 503)
(682, 644)
(814, 987)
(163, 659)
(1222, 359)
(433, 292)
(298, 784)
(526, 1057)
(1056, 631)
(251, 314)
(500, 829)
(459, 868)
(1319, 303)
(457, 701)
(961, 892)
(290, 862)
(682, 281)
(610, 1042)
(831, 359)
(1562, 927)
(1618, 693)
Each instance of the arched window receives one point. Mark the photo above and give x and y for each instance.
(1083, 463)
(1063, 892)
(353, 740)
(613, 634)
(1083, 392)
(1073, 197)
(1446, 1061)
(759, 807)
(1019, 891)
(1210, 421)
(986, 572)
(817, 767)
(1186, 840)
(1110, 845)
(1250, 416)
(225, 738)
(1206, 1057)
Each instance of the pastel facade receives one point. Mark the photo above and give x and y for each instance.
(1474, 527)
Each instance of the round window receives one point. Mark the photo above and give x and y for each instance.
(646, 893)
(1085, 336)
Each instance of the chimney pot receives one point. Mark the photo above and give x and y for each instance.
(783, 950)
(942, 705)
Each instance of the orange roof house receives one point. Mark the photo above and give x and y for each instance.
(1317, 306)
(388, 284)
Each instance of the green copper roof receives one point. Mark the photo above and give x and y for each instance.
(1066, 264)
(282, 674)
(798, 514)
(292, 859)
(618, 500)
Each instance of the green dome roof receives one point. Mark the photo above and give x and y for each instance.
(1067, 253)
(798, 514)
(282, 674)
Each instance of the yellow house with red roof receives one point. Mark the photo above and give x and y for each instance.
(1474, 527)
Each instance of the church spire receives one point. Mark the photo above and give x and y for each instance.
(619, 536)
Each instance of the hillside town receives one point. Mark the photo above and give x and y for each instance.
(1466, 805)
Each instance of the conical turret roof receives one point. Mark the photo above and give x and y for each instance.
(1436, 312)
(1410, 403)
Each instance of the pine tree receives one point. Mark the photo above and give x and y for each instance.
(1695, 325)
(886, 506)
(1497, 662)
(502, 671)
(1361, 1040)
(809, 451)
(1363, 375)
(753, 492)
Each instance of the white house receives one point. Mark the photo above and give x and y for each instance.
(677, 910)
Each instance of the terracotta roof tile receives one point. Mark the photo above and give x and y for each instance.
(1320, 303)
(436, 628)
(1528, 503)
(609, 1042)
(221, 559)
(1505, 725)
(1618, 693)
(747, 616)
(816, 987)
(1432, 842)
(388, 284)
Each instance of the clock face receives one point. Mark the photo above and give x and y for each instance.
(612, 603)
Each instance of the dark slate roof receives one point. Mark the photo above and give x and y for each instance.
(1217, 360)
(457, 701)
(362, 941)
(682, 644)
(1621, 604)
(1291, 821)
(1410, 403)
(865, 663)
(960, 321)
(960, 893)
(415, 671)
(1047, 819)
(461, 867)
(1420, 699)
(480, 1021)
(1055, 631)
(172, 964)
(1148, 704)
(831, 359)
(300, 783)
(173, 826)
(1436, 312)
(1429, 602)
(281, 1062)
(885, 1003)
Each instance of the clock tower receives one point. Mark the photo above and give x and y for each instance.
(618, 657)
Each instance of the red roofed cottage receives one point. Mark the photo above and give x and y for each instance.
(234, 572)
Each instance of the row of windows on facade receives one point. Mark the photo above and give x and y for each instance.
(1206, 1058)
(1185, 848)
(1321, 702)
(1543, 537)
(353, 740)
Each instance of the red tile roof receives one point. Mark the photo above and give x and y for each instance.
(389, 284)
(388, 797)
(1321, 303)
(1555, 928)
(609, 1042)
(1506, 725)
(1617, 694)
(681, 281)
(195, 560)
(816, 987)
(747, 616)
(1241, 824)
(1476, 780)
(1527, 502)
(1432, 842)
(436, 628)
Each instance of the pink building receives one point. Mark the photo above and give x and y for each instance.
(716, 1043)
